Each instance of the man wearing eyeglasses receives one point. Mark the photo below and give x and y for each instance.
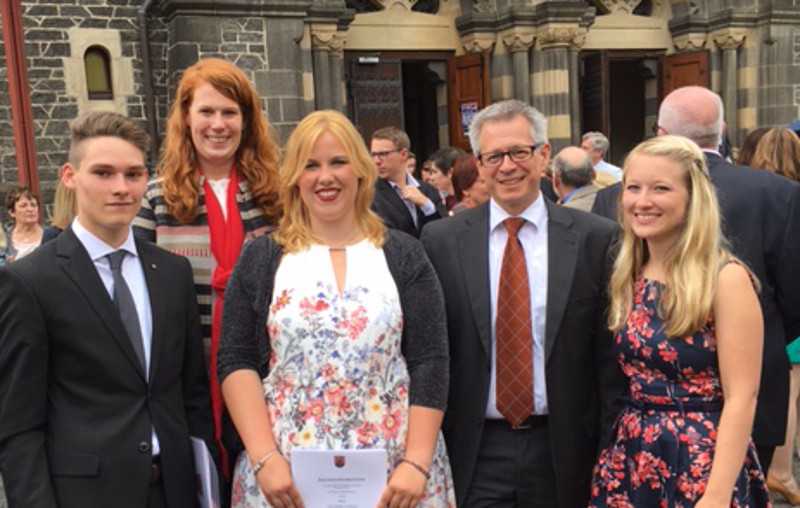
(532, 380)
(400, 200)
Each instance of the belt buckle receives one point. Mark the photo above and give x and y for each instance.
(525, 425)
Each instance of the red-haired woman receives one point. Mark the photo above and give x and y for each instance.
(216, 188)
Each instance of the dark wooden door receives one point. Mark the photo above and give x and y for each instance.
(684, 69)
(469, 92)
(375, 92)
(594, 86)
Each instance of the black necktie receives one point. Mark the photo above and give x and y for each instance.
(123, 301)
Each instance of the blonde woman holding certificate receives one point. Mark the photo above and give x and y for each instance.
(334, 333)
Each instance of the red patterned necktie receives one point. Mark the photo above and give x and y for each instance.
(513, 331)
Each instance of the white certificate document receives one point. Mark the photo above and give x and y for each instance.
(339, 478)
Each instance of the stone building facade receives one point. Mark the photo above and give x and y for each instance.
(306, 54)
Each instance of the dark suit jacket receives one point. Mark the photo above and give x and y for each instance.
(391, 208)
(761, 219)
(76, 411)
(583, 379)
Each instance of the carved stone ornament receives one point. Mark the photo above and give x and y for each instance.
(478, 42)
(337, 44)
(690, 42)
(518, 40)
(323, 37)
(619, 6)
(551, 36)
(729, 38)
(483, 6)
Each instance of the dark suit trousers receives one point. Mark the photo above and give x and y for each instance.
(765, 454)
(514, 469)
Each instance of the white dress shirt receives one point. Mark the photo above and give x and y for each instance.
(609, 169)
(533, 236)
(427, 209)
(133, 273)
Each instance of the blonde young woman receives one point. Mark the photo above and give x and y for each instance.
(689, 336)
(334, 333)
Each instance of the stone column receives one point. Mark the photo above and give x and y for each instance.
(322, 42)
(338, 102)
(729, 41)
(519, 41)
(552, 81)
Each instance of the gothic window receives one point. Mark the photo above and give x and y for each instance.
(97, 62)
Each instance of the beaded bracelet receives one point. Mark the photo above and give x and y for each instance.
(416, 466)
(263, 460)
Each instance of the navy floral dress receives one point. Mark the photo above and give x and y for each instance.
(665, 436)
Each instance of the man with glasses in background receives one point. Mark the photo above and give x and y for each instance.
(400, 200)
(532, 377)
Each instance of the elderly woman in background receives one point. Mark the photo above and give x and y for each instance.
(64, 208)
(349, 317)
(26, 233)
(468, 185)
(216, 188)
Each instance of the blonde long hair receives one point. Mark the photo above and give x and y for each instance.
(294, 230)
(692, 264)
(64, 206)
(256, 158)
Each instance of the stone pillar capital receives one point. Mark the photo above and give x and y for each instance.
(337, 44)
(690, 41)
(729, 38)
(554, 36)
(478, 42)
(519, 39)
(621, 6)
(323, 36)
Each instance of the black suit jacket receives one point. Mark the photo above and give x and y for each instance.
(76, 411)
(583, 379)
(761, 220)
(391, 208)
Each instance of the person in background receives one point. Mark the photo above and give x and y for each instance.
(468, 185)
(352, 307)
(442, 172)
(217, 188)
(688, 329)
(748, 148)
(25, 234)
(64, 209)
(778, 151)
(411, 164)
(596, 145)
(573, 177)
(400, 200)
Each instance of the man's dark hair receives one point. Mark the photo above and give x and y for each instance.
(574, 176)
(444, 158)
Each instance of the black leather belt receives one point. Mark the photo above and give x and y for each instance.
(531, 422)
(155, 470)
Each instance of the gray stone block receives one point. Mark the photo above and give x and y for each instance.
(282, 51)
(199, 29)
(293, 109)
(182, 55)
(280, 83)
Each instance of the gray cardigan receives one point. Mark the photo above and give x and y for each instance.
(245, 345)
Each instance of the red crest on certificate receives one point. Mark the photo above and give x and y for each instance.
(338, 460)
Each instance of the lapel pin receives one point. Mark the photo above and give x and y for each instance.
(153, 266)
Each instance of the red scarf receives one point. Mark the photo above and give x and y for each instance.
(227, 238)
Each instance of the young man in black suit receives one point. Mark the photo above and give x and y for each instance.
(761, 220)
(533, 381)
(102, 379)
(400, 200)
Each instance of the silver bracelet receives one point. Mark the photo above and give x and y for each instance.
(263, 460)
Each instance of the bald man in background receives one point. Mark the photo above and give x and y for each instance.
(573, 178)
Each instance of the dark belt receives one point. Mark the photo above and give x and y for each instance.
(531, 422)
(691, 406)
(155, 470)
